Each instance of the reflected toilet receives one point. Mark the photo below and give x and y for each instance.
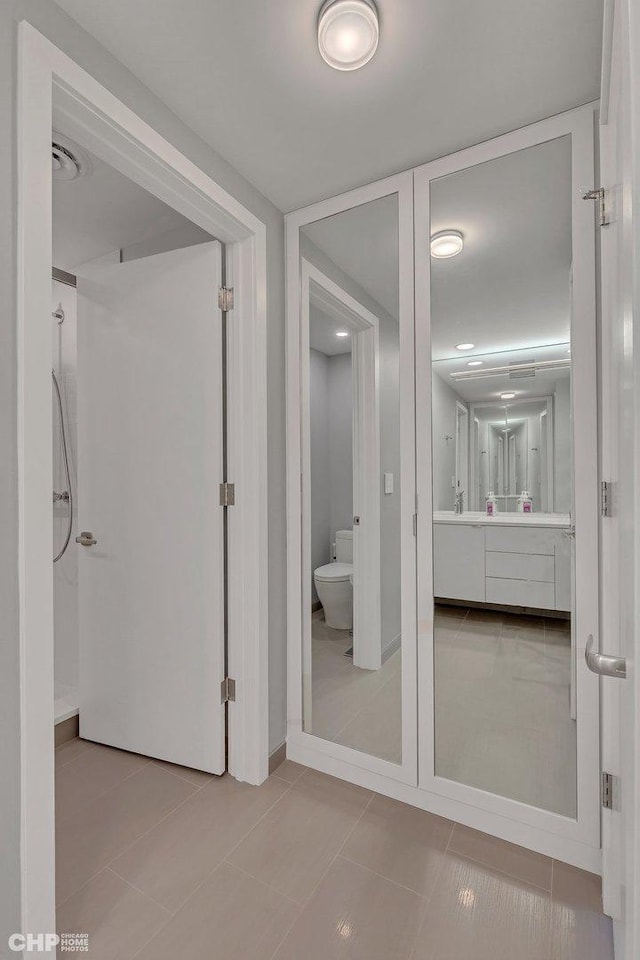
(334, 585)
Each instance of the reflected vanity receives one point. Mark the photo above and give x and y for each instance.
(502, 479)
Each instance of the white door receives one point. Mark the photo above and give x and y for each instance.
(151, 589)
(618, 533)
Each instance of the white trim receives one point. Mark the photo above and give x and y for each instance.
(585, 830)
(52, 87)
(296, 600)
(319, 289)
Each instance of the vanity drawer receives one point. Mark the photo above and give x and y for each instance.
(521, 566)
(521, 540)
(521, 593)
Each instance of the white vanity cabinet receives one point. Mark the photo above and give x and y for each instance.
(509, 561)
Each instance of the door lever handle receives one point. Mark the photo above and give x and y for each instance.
(86, 539)
(602, 664)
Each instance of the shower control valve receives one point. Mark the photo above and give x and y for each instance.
(86, 539)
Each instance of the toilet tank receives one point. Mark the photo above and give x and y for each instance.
(344, 546)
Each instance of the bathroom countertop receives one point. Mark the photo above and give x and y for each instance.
(561, 520)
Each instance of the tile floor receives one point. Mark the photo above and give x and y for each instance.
(503, 719)
(157, 862)
(354, 707)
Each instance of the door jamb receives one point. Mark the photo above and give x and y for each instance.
(51, 85)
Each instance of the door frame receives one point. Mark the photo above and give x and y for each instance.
(536, 824)
(311, 750)
(321, 290)
(53, 88)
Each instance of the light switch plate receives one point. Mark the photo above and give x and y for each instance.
(388, 483)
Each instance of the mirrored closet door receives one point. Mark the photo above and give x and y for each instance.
(352, 479)
(508, 561)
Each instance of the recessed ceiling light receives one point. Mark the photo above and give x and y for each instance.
(507, 396)
(342, 333)
(465, 346)
(474, 363)
(446, 243)
(348, 33)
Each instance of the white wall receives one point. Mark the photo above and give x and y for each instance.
(444, 451)
(65, 571)
(562, 447)
(340, 443)
(85, 50)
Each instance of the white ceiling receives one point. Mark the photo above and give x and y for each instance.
(248, 78)
(105, 211)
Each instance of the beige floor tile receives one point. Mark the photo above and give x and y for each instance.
(478, 914)
(170, 861)
(197, 777)
(295, 842)
(506, 857)
(355, 914)
(68, 751)
(289, 771)
(579, 930)
(402, 843)
(230, 916)
(87, 840)
(91, 774)
(118, 919)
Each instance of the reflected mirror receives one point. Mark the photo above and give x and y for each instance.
(502, 478)
(351, 484)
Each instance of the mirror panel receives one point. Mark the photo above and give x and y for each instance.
(502, 479)
(351, 541)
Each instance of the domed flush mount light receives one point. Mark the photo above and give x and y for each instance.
(474, 363)
(507, 396)
(348, 33)
(465, 346)
(446, 243)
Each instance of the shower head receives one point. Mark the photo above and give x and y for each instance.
(68, 160)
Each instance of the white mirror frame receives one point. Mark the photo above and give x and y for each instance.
(578, 839)
(304, 747)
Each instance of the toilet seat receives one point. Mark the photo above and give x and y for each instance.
(334, 572)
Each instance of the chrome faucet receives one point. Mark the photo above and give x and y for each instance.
(458, 506)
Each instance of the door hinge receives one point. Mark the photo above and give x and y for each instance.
(227, 494)
(228, 690)
(606, 498)
(599, 195)
(225, 299)
(606, 790)
(415, 524)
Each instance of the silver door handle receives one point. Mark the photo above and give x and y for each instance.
(86, 539)
(603, 665)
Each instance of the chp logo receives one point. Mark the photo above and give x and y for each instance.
(47, 942)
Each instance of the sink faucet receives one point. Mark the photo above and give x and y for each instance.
(458, 506)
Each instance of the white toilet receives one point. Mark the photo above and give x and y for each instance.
(333, 584)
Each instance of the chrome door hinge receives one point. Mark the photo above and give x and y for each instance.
(228, 690)
(227, 494)
(225, 299)
(606, 790)
(415, 524)
(606, 505)
(599, 195)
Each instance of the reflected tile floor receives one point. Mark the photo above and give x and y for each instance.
(357, 708)
(158, 862)
(503, 721)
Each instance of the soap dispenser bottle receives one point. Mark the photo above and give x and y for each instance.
(492, 504)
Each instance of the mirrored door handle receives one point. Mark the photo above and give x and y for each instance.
(602, 664)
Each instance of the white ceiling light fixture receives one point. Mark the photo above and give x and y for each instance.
(507, 396)
(348, 33)
(474, 363)
(342, 333)
(465, 346)
(446, 243)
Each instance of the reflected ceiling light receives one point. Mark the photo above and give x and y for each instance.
(342, 333)
(474, 363)
(446, 243)
(507, 396)
(465, 346)
(348, 33)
